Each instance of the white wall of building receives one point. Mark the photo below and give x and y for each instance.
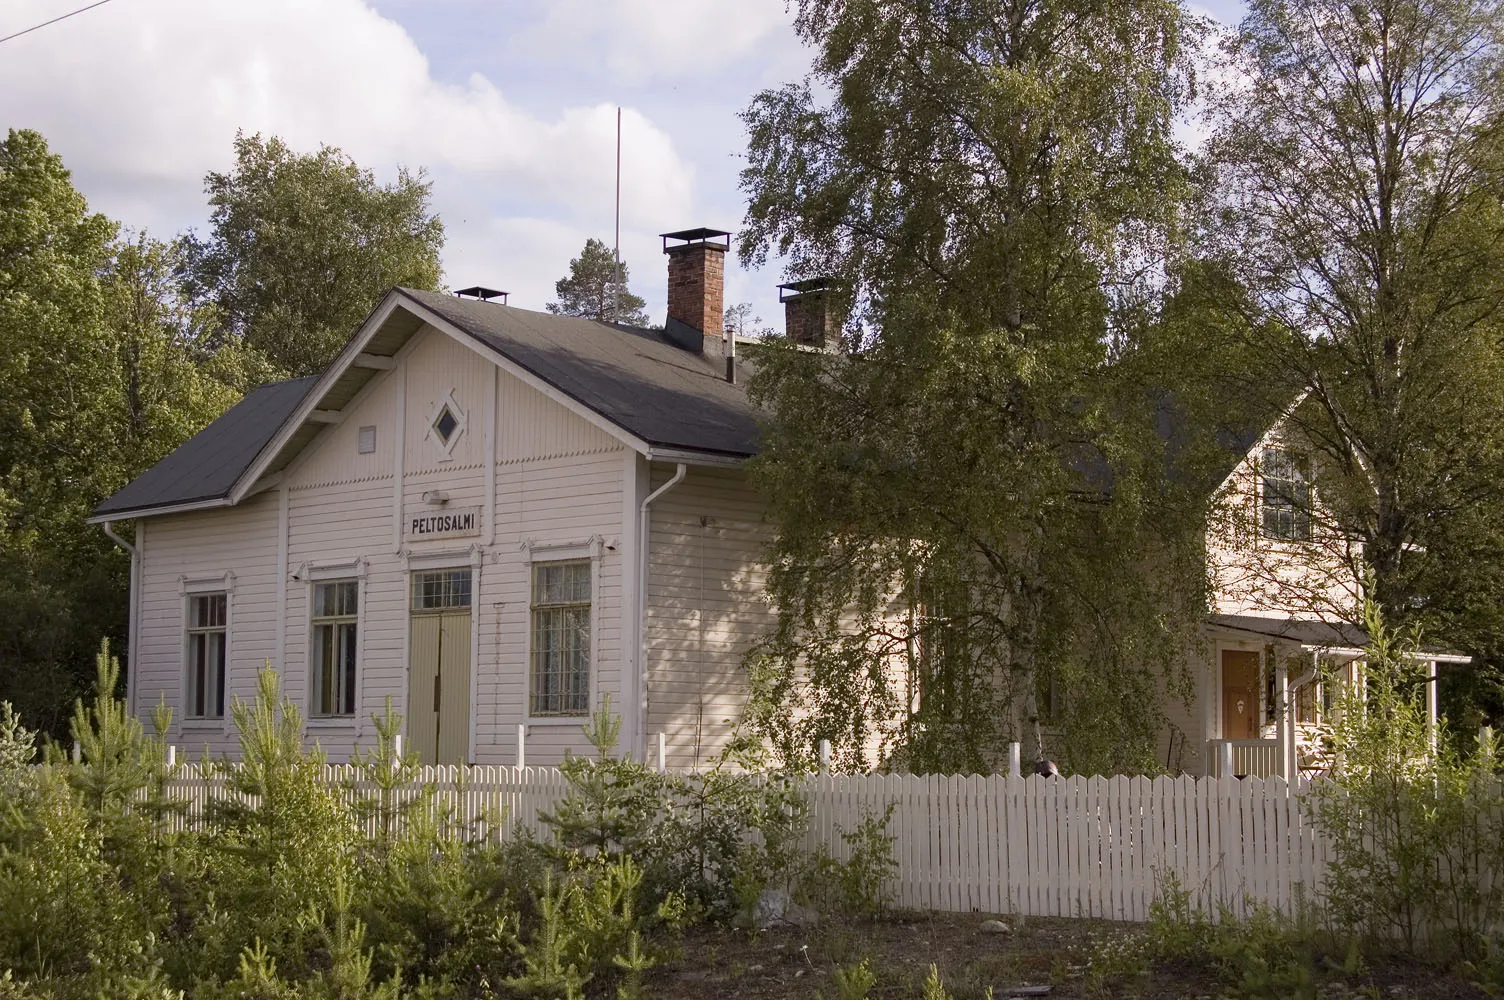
(548, 483)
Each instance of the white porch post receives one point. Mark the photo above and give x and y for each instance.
(1282, 719)
(1432, 675)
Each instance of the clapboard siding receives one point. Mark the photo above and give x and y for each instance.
(201, 547)
(1253, 575)
(706, 606)
(339, 525)
(545, 503)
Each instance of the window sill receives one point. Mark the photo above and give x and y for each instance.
(204, 723)
(553, 721)
(332, 722)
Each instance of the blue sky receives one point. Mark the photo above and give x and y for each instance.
(509, 105)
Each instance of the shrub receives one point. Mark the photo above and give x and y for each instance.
(281, 841)
(1417, 836)
(18, 745)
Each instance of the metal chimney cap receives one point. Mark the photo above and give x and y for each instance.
(802, 287)
(700, 235)
(482, 293)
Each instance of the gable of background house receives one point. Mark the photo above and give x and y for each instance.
(1270, 551)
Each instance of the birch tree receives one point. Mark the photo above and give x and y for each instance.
(976, 488)
(1357, 197)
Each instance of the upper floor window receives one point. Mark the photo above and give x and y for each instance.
(335, 626)
(1286, 501)
(560, 682)
(208, 618)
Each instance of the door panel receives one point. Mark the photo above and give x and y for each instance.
(423, 678)
(454, 697)
(1240, 694)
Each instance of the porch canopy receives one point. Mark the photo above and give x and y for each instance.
(1318, 639)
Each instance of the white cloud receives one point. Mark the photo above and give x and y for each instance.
(670, 39)
(142, 98)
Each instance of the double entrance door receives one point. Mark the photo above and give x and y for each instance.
(438, 667)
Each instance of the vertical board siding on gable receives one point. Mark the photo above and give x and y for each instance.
(334, 457)
(201, 546)
(706, 606)
(436, 366)
(529, 425)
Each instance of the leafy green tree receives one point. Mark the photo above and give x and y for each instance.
(104, 368)
(978, 491)
(1358, 199)
(57, 593)
(303, 245)
(596, 288)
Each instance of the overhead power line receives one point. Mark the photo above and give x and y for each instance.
(60, 17)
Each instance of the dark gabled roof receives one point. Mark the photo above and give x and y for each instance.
(1172, 427)
(207, 465)
(663, 394)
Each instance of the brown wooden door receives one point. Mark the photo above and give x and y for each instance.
(1240, 694)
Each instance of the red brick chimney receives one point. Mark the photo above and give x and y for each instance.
(696, 285)
(807, 317)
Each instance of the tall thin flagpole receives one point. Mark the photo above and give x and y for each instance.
(616, 287)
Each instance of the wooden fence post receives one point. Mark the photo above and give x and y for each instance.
(1015, 760)
(662, 753)
(825, 756)
(521, 745)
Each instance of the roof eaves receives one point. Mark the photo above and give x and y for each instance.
(155, 510)
(309, 402)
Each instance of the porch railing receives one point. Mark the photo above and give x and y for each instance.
(1254, 758)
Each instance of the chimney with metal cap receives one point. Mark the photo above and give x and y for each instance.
(807, 318)
(696, 285)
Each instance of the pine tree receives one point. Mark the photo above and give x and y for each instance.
(596, 288)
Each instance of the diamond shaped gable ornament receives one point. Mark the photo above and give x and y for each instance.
(446, 424)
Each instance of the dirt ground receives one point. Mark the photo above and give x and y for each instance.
(1039, 952)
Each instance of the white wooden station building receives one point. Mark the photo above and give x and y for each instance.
(491, 516)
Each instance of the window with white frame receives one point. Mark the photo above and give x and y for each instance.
(335, 628)
(207, 643)
(560, 670)
(1286, 495)
(440, 589)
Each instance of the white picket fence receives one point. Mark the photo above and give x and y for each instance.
(1091, 847)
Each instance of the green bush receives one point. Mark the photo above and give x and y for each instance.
(287, 887)
(1417, 836)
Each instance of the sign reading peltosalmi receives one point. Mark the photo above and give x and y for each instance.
(445, 524)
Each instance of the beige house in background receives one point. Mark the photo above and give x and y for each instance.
(1284, 589)
(498, 518)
